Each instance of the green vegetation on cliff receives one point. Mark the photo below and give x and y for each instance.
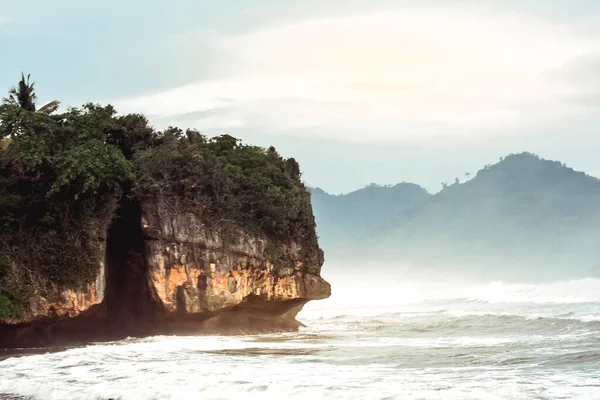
(62, 177)
(228, 184)
(60, 182)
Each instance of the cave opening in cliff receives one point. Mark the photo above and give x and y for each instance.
(127, 294)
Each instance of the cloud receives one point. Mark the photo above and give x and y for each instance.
(582, 75)
(412, 74)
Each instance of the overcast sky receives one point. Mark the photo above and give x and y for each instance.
(358, 91)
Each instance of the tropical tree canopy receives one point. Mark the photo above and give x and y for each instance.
(23, 95)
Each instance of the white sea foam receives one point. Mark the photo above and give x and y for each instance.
(480, 341)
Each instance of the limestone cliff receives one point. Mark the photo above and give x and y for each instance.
(56, 302)
(166, 272)
(193, 269)
(121, 230)
(28, 258)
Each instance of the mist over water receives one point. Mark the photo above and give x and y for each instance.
(379, 336)
(390, 286)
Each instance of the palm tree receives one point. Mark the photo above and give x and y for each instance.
(24, 96)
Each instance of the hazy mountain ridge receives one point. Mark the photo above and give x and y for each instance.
(522, 211)
(521, 185)
(344, 218)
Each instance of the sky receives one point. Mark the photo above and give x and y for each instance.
(358, 92)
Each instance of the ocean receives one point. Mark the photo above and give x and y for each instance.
(393, 341)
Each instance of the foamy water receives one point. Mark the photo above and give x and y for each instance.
(490, 341)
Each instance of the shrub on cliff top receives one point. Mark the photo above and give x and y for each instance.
(229, 185)
(12, 298)
(60, 182)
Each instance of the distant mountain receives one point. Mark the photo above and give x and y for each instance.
(522, 216)
(342, 219)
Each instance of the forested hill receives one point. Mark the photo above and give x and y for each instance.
(523, 215)
(342, 219)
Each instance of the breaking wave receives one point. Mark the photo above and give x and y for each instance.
(377, 341)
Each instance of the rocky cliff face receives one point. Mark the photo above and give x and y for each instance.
(171, 274)
(50, 301)
(60, 303)
(195, 269)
